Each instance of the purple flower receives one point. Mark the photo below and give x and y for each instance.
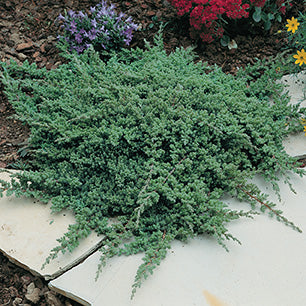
(78, 37)
(134, 26)
(81, 14)
(71, 13)
(104, 27)
(79, 49)
(61, 17)
(129, 19)
(121, 15)
(94, 23)
(102, 12)
(73, 28)
(92, 34)
(111, 13)
(127, 41)
(83, 32)
(101, 29)
(128, 35)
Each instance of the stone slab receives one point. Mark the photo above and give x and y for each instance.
(296, 87)
(295, 144)
(28, 231)
(267, 269)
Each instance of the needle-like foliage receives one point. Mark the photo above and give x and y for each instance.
(143, 147)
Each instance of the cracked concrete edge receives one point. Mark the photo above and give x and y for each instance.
(69, 295)
(61, 271)
(76, 262)
(20, 264)
(300, 156)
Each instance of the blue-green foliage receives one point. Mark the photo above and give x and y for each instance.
(149, 141)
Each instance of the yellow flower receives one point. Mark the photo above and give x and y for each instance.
(292, 24)
(300, 57)
(305, 129)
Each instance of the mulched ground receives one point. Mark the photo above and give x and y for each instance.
(28, 32)
(16, 286)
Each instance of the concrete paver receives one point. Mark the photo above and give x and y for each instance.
(28, 231)
(296, 87)
(295, 144)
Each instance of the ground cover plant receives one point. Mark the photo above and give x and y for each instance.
(143, 146)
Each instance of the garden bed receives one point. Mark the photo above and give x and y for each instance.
(27, 32)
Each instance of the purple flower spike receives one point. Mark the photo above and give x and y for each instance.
(92, 9)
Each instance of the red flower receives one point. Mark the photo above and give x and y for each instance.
(204, 15)
(258, 3)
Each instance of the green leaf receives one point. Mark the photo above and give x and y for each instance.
(257, 15)
(267, 25)
(225, 40)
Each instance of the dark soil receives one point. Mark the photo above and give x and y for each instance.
(14, 282)
(28, 32)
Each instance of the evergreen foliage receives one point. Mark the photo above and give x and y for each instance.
(143, 147)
